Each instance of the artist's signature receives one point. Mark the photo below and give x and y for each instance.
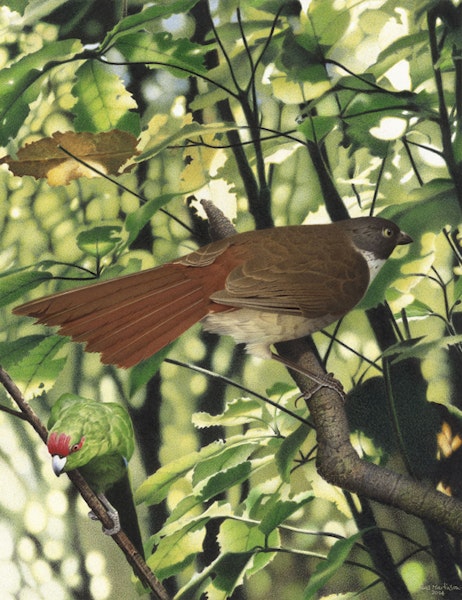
(440, 589)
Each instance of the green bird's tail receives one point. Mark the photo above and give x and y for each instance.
(121, 497)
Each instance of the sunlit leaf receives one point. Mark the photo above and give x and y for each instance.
(156, 487)
(37, 371)
(180, 56)
(236, 412)
(278, 510)
(139, 20)
(219, 482)
(103, 102)
(21, 84)
(226, 572)
(176, 551)
(189, 130)
(106, 152)
(220, 462)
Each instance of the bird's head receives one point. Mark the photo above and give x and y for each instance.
(62, 451)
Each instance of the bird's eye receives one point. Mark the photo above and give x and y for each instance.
(387, 232)
(76, 447)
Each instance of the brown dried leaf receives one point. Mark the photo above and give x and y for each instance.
(106, 151)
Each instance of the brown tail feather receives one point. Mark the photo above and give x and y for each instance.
(129, 318)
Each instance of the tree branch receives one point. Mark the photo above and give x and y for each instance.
(132, 555)
(339, 464)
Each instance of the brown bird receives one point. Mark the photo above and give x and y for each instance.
(260, 287)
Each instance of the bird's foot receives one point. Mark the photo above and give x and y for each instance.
(112, 512)
(329, 381)
(322, 380)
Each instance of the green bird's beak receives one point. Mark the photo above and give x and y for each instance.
(58, 463)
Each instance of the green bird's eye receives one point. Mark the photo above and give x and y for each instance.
(77, 447)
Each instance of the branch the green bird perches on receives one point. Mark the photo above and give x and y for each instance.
(97, 438)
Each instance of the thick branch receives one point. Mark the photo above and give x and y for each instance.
(339, 464)
(132, 555)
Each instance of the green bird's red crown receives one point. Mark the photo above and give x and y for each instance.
(60, 444)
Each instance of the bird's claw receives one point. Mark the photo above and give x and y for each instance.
(112, 512)
(329, 381)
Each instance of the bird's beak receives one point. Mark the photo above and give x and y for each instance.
(58, 463)
(404, 238)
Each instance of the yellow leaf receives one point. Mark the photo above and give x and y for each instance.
(50, 157)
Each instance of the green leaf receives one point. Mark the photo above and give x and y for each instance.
(328, 568)
(222, 461)
(316, 128)
(141, 373)
(278, 510)
(14, 352)
(21, 84)
(161, 50)
(187, 131)
(103, 103)
(220, 482)
(99, 241)
(136, 220)
(139, 20)
(239, 536)
(156, 487)
(420, 347)
(15, 284)
(237, 412)
(329, 23)
(37, 371)
(177, 550)
(226, 571)
(289, 448)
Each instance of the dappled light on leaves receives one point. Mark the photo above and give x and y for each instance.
(52, 158)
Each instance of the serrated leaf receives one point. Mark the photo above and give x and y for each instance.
(21, 84)
(161, 50)
(417, 348)
(230, 568)
(225, 480)
(141, 373)
(103, 102)
(156, 487)
(220, 462)
(328, 568)
(287, 451)
(14, 352)
(99, 241)
(37, 372)
(15, 284)
(178, 550)
(240, 536)
(188, 130)
(239, 411)
(139, 20)
(279, 510)
(179, 519)
(106, 152)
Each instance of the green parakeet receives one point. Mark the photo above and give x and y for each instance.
(97, 438)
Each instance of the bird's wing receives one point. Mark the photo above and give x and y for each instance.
(298, 274)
